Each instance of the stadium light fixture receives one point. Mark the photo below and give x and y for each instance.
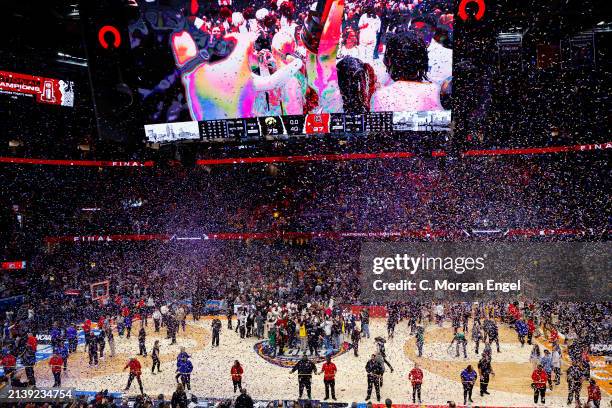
(71, 60)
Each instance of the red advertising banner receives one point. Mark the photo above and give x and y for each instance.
(86, 163)
(14, 265)
(317, 157)
(45, 90)
(405, 155)
(540, 150)
(375, 311)
(239, 236)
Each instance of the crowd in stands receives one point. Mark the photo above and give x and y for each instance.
(369, 195)
(175, 271)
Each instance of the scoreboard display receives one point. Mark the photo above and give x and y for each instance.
(236, 129)
(317, 123)
(273, 127)
(214, 129)
(252, 129)
(354, 123)
(294, 124)
(336, 123)
(378, 122)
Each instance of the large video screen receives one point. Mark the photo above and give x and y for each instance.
(259, 68)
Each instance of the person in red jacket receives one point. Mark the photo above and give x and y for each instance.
(329, 377)
(101, 322)
(530, 330)
(32, 342)
(416, 378)
(8, 364)
(87, 328)
(135, 371)
(594, 394)
(56, 363)
(514, 312)
(236, 372)
(141, 311)
(539, 379)
(553, 336)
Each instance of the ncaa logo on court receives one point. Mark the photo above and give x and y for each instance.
(292, 355)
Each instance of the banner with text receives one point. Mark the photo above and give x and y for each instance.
(14, 265)
(45, 90)
(569, 271)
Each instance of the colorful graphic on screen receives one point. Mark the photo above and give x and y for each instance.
(204, 60)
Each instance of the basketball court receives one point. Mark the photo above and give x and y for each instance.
(269, 378)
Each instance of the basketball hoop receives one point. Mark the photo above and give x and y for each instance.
(99, 291)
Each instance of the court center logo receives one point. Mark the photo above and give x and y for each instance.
(292, 355)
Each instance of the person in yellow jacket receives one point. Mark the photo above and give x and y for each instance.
(303, 337)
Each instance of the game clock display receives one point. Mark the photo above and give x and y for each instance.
(336, 123)
(294, 124)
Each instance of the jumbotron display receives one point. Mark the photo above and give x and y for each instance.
(290, 63)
